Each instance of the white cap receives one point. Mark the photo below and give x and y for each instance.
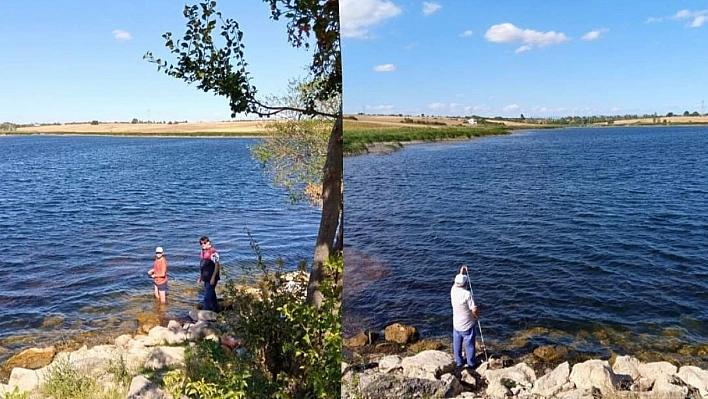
(461, 280)
(159, 250)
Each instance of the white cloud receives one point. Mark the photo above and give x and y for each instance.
(436, 106)
(429, 8)
(357, 16)
(410, 46)
(594, 34)
(529, 38)
(696, 19)
(384, 68)
(122, 35)
(511, 107)
(467, 33)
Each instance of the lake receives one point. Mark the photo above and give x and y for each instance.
(595, 239)
(80, 218)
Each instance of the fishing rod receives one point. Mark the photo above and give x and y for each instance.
(479, 325)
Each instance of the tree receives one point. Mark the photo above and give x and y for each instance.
(670, 114)
(135, 121)
(686, 113)
(218, 65)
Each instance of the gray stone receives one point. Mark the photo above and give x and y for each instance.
(390, 363)
(501, 381)
(626, 365)
(665, 388)
(162, 357)
(695, 377)
(379, 386)
(202, 315)
(594, 373)
(655, 370)
(552, 383)
(201, 330)
(428, 364)
(142, 388)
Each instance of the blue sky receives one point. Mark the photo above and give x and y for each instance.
(537, 58)
(81, 60)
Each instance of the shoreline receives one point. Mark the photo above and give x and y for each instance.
(142, 135)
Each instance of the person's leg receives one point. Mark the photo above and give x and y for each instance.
(156, 294)
(162, 290)
(470, 348)
(209, 295)
(457, 347)
(214, 299)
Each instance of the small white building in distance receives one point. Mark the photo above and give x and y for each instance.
(472, 121)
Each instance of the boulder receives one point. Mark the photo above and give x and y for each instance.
(32, 358)
(146, 321)
(165, 356)
(426, 345)
(167, 335)
(594, 373)
(142, 388)
(669, 387)
(201, 330)
(385, 386)
(626, 366)
(26, 379)
(552, 383)
(356, 341)
(655, 370)
(501, 381)
(428, 365)
(401, 333)
(550, 353)
(202, 315)
(390, 363)
(695, 377)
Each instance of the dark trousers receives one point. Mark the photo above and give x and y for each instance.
(210, 302)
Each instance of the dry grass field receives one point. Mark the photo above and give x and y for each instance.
(668, 119)
(234, 128)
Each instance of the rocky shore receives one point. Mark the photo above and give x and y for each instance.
(161, 348)
(401, 366)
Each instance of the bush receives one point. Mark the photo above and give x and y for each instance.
(65, 382)
(290, 349)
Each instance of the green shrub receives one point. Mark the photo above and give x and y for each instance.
(16, 394)
(65, 382)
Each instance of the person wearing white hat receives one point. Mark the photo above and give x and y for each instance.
(464, 315)
(159, 274)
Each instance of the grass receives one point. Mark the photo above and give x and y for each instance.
(358, 136)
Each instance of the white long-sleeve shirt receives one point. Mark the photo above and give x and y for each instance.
(462, 305)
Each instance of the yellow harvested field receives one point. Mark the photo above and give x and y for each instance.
(153, 128)
(398, 120)
(669, 119)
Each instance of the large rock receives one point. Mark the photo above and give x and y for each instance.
(428, 365)
(26, 379)
(356, 341)
(32, 358)
(695, 377)
(503, 380)
(201, 330)
(390, 363)
(426, 345)
(552, 383)
(142, 388)
(173, 334)
(669, 387)
(401, 333)
(627, 366)
(202, 315)
(655, 370)
(380, 386)
(550, 353)
(162, 357)
(594, 373)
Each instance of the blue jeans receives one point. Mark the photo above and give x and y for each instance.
(210, 302)
(467, 338)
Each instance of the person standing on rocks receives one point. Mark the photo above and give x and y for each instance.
(209, 274)
(464, 315)
(158, 273)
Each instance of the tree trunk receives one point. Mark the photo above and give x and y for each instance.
(331, 210)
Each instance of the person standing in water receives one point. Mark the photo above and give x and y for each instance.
(159, 274)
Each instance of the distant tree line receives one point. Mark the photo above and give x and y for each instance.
(8, 127)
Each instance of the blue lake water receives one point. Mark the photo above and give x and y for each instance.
(593, 238)
(80, 218)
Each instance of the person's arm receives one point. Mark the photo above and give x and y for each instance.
(473, 307)
(216, 273)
